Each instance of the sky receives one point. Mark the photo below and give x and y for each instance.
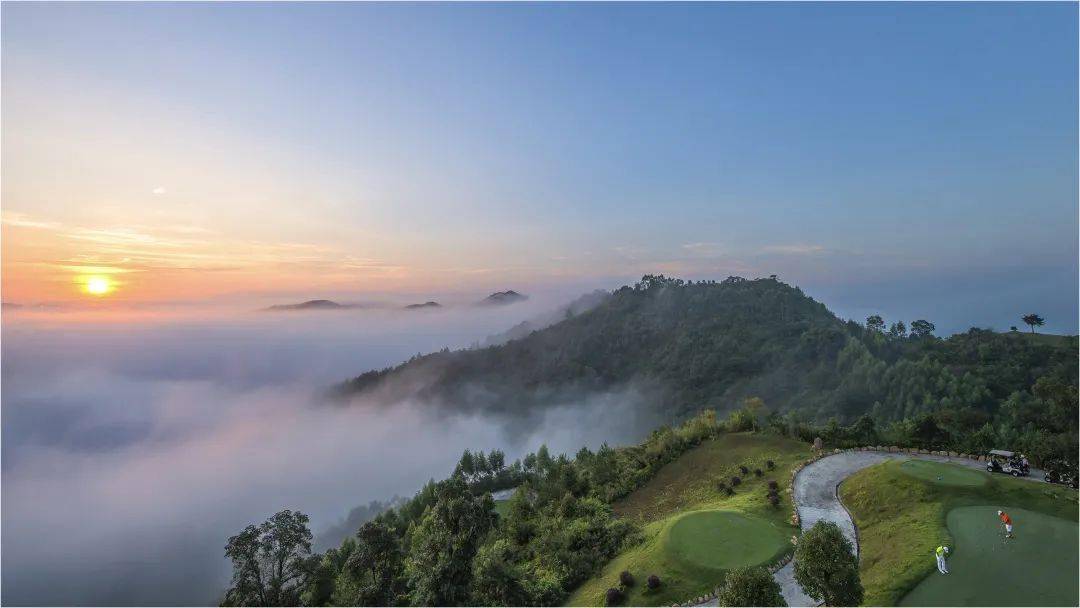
(914, 159)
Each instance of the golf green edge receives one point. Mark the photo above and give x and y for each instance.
(904, 511)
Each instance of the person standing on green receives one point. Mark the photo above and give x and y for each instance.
(940, 553)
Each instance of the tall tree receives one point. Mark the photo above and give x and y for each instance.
(444, 543)
(897, 330)
(922, 328)
(875, 323)
(826, 566)
(750, 587)
(1033, 320)
(270, 562)
(497, 578)
(374, 567)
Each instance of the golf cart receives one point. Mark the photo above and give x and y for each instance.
(1060, 472)
(1004, 461)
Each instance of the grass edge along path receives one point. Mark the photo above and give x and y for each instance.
(902, 518)
(689, 484)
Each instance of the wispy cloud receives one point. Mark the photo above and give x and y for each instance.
(20, 220)
(704, 249)
(795, 249)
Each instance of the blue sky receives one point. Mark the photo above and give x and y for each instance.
(914, 159)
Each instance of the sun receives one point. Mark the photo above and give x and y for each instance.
(98, 286)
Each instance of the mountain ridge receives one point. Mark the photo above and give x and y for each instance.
(690, 345)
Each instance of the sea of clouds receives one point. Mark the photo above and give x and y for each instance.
(133, 446)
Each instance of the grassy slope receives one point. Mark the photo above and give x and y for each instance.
(1047, 339)
(689, 484)
(901, 519)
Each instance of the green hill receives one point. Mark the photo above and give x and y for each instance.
(692, 343)
(689, 345)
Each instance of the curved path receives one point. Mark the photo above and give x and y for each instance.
(816, 499)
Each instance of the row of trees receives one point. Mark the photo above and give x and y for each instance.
(447, 546)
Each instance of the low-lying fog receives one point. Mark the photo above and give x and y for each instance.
(133, 449)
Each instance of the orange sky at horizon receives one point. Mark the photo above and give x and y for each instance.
(46, 261)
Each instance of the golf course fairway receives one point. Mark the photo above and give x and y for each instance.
(723, 540)
(944, 474)
(1036, 568)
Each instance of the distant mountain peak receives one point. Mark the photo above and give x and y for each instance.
(308, 305)
(504, 297)
(428, 304)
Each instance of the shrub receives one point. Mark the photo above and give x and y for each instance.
(721, 487)
(773, 485)
(736, 480)
(743, 469)
(770, 465)
(774, 500)
(613, 597)
(626, 578)
(758, 473)
(653, 582)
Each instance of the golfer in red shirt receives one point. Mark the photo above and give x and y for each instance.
(1005, 519)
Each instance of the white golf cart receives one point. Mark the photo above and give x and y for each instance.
(1004, 461)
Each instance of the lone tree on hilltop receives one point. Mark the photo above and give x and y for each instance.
(750, 587)
(1033, 320)
(271, 562)
(826, 566)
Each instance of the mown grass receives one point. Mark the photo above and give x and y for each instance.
(901, 519)
(690, 484)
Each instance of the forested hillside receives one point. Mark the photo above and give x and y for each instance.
(711, 344)
(778, 361)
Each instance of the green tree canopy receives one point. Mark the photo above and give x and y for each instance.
(444, 542)
(875, 323)
(1033, 320)
(750, 587)
(271, 562)
(826, 566)
(922, 329)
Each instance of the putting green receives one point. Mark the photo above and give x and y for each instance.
(1036, 568)
(944, 474)
(724, 539)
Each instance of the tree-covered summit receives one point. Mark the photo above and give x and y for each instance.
(688, 345)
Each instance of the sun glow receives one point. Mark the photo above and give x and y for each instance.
(98, 286)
